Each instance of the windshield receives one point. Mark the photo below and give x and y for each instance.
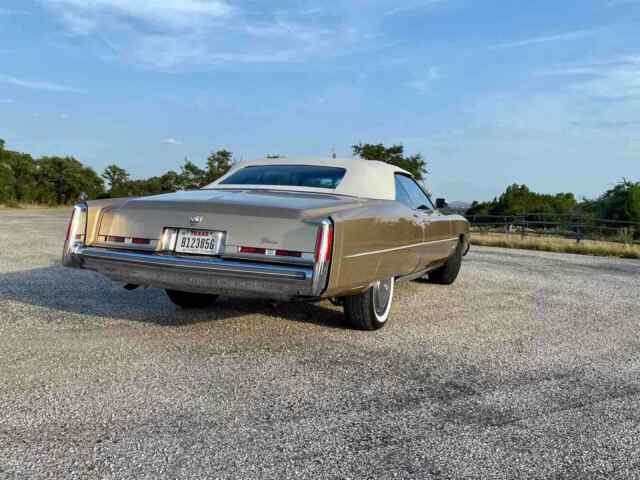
(288, 176)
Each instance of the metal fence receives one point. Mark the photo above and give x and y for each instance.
(578, 227)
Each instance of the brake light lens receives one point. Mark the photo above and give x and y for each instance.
(253, 250)
(324, 242)
(77, 224)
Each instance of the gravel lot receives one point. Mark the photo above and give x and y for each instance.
(528, 367)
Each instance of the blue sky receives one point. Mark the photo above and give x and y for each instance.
(492, 92)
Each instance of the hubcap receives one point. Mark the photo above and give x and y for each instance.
(381, 296)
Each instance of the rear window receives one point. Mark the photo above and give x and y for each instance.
(288, 176)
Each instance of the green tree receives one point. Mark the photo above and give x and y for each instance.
(118, 179)
(519, 199)
(170, 182)
(218, 163)
(414, 164)
(64, 180)
(7, 179)
(622, 202)
(192, 176)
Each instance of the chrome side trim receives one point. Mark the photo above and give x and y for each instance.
(415, 245)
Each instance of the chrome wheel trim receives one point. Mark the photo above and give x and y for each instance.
(382, 298)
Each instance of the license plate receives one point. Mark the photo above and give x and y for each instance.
(199, 242)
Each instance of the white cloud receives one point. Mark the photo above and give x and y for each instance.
(171, 141)
(9, 11)
(561, 37)
(7, 101)
(169, 34)
(614, 79)
(38, 85)
(425, 83)
(82, 15)
(411, 6)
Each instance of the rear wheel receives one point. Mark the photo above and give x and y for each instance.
(447, 274)
(370, 309)
(191, 300)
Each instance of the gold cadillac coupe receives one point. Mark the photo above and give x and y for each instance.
(344, 230)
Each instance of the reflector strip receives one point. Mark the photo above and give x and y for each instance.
(288, 253)
(269, 252)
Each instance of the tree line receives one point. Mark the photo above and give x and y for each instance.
(52, 180)
(621, 202)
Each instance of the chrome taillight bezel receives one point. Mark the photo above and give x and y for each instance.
(76, 235)
(323, 256)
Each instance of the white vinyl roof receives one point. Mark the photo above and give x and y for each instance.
(363, 178)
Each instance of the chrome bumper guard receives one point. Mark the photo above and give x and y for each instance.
(202, 275)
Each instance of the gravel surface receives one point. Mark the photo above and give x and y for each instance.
(527, 367)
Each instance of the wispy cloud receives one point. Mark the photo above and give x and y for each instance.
(171, 141)
(411, 6)
(38, 85)
(175, 33)
(560, 37)
(9, 11)
(82, 15)
(613, 79)
(424, 84)
(615, 3)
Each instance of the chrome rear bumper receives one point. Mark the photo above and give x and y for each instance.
(202, 275)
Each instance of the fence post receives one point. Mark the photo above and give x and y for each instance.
(579, 235)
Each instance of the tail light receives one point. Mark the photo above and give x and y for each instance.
(77, 224)
(324, 242)
(75, 238)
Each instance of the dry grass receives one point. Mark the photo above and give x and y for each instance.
(30, 206)
(556, 244)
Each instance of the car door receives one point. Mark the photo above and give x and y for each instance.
(437, 238)
(411, 230)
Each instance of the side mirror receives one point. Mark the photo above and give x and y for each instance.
(441, 203)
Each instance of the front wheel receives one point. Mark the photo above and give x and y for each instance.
(447, 274)
(370, 309)
(191, 300)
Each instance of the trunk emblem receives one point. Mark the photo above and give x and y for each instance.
(195, 220)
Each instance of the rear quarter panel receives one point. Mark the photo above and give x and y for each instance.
(379, 225)
(376, 226)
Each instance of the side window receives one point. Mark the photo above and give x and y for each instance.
(414, 197)
(401, 194)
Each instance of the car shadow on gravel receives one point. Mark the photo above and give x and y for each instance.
(86, 293)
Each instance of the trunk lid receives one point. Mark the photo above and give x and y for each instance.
(256, 218)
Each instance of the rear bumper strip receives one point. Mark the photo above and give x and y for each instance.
(205, 275)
